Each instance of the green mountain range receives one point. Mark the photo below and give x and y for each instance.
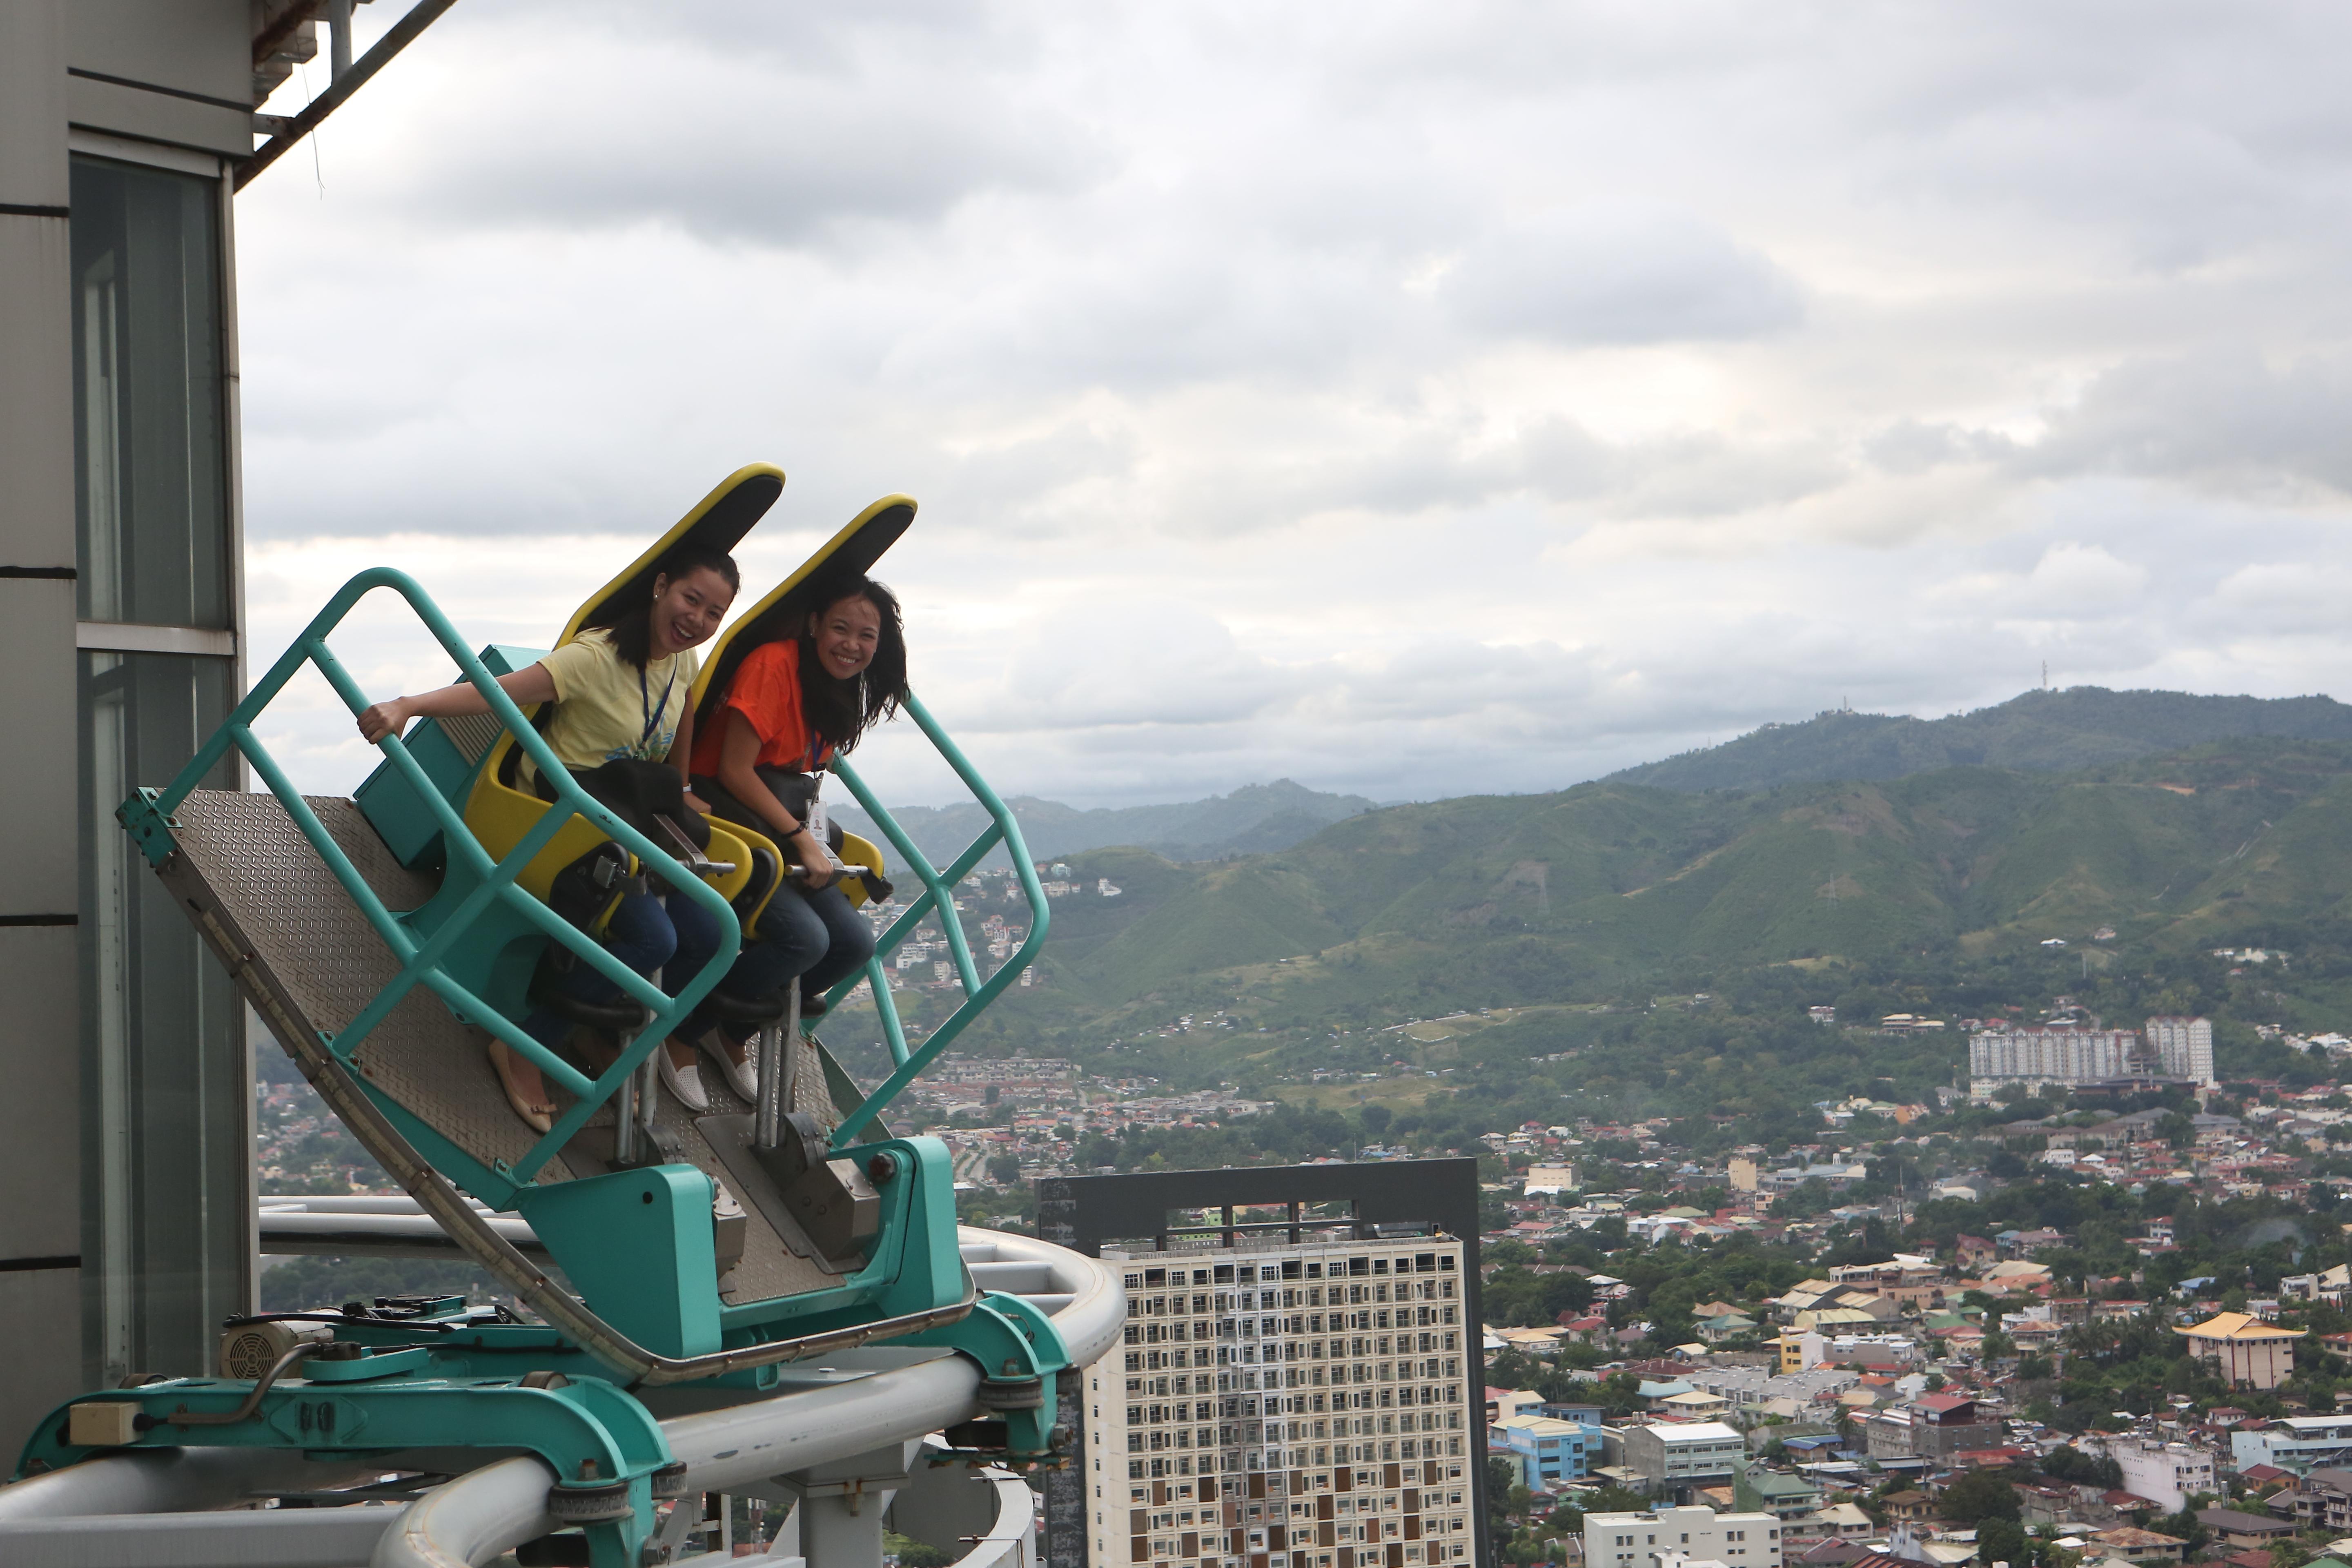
(1613, 889)
(2038, 731)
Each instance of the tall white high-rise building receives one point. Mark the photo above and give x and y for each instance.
(2172, 1048)
(2185, 1047)
(1302, 1406)
(2044, 1054)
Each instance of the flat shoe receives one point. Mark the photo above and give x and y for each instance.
(685, 1082)
(537, 1115)
(743, 1077)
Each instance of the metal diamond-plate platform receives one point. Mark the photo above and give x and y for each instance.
(276, 893)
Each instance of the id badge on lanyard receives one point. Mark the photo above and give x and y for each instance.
(653, 714)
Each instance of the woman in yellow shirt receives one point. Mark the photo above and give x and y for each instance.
(620, 693)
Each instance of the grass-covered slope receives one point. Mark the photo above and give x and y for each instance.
(2039, 731)
(1596, 891)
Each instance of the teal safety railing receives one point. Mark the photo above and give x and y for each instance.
(421, 960)
(938, 896)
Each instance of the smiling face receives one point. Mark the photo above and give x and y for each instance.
(687, 611)
(845, 632)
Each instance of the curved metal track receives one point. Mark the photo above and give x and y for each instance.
(492, 1509)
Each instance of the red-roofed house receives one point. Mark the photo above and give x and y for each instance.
(2136, 1545)
(1986, 1458)
(1584, 1328)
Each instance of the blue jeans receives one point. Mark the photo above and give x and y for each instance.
(816, 936)
(644, 936)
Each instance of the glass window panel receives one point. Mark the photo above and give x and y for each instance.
(167, 1162)
(150, 489)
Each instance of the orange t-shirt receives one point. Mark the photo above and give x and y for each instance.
(766, 690)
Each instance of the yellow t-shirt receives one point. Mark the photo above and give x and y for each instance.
(606, 709)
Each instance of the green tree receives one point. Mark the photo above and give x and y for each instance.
(2184, 1526)
(1501, 1476)
(2002, 1541)
(1980, 1495)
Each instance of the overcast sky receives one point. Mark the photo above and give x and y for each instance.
(1413, 400)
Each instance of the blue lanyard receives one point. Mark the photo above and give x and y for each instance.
(654, 715)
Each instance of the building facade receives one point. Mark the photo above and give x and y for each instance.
(1675, 1457)
(2245, 1350)
(2168, 1474)
(1306, 1406)
(2320, 1500)
(1651, 1540)
(2061, 1055)
(2298, 1443)
(125, 130)
(2184, 1048)
(2170, 1047)
(1933, 1427)
(1762, 1489)
(1546, 1451)
(1319, 1405)
(128, 1154)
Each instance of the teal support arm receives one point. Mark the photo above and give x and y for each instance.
(938, 896)
(148, 815)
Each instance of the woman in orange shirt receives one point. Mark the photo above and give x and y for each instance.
(789, 706)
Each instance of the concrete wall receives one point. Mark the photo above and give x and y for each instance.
(165, 83)
(40, 1218)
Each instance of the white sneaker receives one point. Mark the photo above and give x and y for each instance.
(685, 1082)
(743, 1077)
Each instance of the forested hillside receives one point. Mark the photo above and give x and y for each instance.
(2038, 731)
(1611, 893)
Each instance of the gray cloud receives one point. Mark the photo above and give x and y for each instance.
(1596, 281)
(1910, 446)
(2224, 419)
(1402, 399)
(794, 128)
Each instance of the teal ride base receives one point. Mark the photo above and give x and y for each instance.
(400, 1401)
(429, 920)
(423, 1392)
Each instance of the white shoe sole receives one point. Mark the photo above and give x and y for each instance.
(685, 1083)
(743, 1078)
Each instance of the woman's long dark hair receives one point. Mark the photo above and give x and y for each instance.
(840, 711)
(632, 633)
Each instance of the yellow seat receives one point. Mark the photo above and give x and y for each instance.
(865, 856)
(500, 816)
(859, 545)
(762, 866)
(500, 812)
(760, 853)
